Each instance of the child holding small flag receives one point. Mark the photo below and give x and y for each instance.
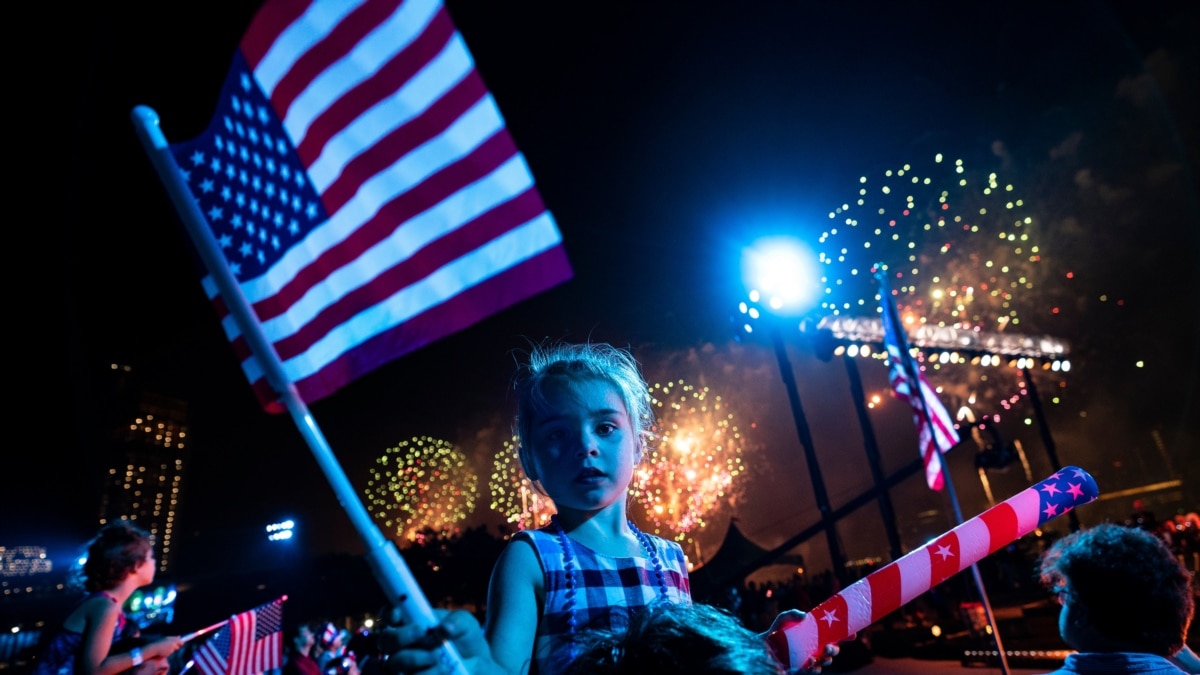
(120, 560)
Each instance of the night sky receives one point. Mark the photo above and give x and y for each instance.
(663, 139)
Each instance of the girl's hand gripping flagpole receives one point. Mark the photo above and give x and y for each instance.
(390, 569)
(887, 589)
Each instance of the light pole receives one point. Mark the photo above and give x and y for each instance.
(837, 558)
(873, 459)
(779, 272)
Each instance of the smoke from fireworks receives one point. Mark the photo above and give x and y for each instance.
(423, 483)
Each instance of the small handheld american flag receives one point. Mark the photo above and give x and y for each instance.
(249, 643)
(889, 588)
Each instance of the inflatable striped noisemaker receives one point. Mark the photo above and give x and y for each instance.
(887, 589)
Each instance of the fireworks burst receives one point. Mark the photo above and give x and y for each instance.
(513, 494)
(959, 246)
(690, 470)
(423, 483)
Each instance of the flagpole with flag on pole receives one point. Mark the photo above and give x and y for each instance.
(355, 197)
(935, 427)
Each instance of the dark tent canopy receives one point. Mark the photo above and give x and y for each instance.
(736, 559)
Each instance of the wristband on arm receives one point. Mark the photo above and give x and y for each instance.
(136, 655)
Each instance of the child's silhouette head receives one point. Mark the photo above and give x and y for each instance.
(119, 550)
(667, 638)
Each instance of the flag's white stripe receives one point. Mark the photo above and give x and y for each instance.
(858, 605)
(974, 539)
(424, 89)
(933, 466)
(298, 38)
(802, 641)
(915, 573)
(943, 428)
(481, 122)
(1027, 503)
(481, 264)
(371, 53)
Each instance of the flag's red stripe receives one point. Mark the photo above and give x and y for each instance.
(387, 81)
(417, 131)
(434, 256)
(1002, 525)
(267, 397)
(392, 215)
(271, 20)
(535, 275)
(885, 591)
(335, 45)
(243, 633)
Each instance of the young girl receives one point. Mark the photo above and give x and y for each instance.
(120, 559)
(583, 421)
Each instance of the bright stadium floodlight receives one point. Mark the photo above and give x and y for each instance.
(281, 531)
(783, 273)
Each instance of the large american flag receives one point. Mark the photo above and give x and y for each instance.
(250, 643)
(361, 183)
(894, 585)
(935, 427)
